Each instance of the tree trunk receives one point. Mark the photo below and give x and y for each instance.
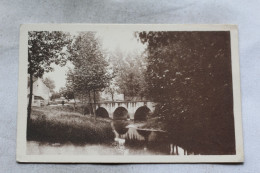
(177, 150)
(112, 95)
(74, 105)
(82, 104)
(95, 104)
(29, 108)
(90, 104)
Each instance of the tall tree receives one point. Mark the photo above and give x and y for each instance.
(129, 73)
(189, 75)
(90, 73)
(112, 89)
(44, 48)
(66, 93)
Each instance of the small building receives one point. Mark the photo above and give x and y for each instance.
(41, 93)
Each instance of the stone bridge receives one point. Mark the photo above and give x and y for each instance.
(137, 110)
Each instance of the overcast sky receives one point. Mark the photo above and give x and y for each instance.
(111, 40)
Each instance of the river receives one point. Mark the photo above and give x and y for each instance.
(128, 140)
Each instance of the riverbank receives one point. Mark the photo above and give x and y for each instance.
(49, 124)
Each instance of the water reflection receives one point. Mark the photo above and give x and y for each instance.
(119, 127)
(131, 139)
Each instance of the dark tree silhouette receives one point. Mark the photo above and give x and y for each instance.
(189, 75)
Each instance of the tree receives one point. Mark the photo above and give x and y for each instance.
(189, 75)
(70, 91)
(44, 48)
(90, 73)
(112, 89)
(129, 73)
(55, 95)
(77, 88)
(49, 83)
(66, 93)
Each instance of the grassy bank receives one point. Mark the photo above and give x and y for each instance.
(48, 124)
(79, 108)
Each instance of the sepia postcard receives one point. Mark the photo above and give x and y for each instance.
(129, 93)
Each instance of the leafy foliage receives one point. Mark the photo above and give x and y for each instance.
(112, 89)
(67, 93)
(45, 48)
(90, 66)
(129, 73)
(90, 74)
(189, 75)
(55, 95)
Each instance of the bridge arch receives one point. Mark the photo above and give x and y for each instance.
(141, 113)
(120, 113)
(102, 112)
(131, 107)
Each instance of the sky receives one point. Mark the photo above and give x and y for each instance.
(111, 41)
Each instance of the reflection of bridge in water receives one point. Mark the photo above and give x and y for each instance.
(130, 138)
(138, 110)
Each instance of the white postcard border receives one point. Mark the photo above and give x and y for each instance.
(21, 155)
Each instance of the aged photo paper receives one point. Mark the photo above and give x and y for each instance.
(129, 93)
